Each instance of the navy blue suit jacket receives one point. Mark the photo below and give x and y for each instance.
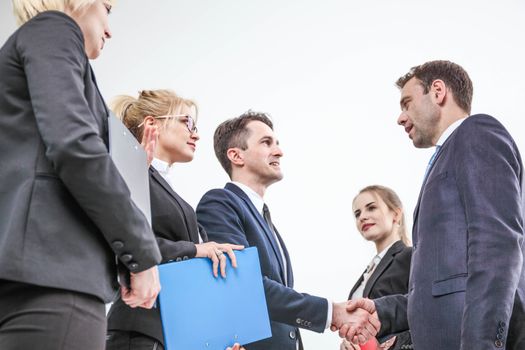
(229, 216)
(467, 285)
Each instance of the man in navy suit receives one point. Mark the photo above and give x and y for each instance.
(467, 284)
(249, 152)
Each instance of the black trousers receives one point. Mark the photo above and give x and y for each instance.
(123, 340)
(33, 317)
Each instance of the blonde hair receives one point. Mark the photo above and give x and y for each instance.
(24, 10)
(393, 203)
(155, 103)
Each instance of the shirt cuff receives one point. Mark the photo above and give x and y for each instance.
(328, 314)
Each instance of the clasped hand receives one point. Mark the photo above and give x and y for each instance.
(356, 320)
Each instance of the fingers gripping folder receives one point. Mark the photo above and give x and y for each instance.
(200, 311)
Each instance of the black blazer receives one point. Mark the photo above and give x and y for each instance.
(177, 231)
(390, 276)
(65, 211)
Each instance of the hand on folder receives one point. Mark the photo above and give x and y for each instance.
(143, 290)
(215, 252)
(235, 347)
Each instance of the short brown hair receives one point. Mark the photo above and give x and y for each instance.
(393, 202)
(234, 133)
(454, 76)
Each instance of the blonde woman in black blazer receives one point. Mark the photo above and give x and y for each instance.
(379, 218)
(65, 211)
(178, 234)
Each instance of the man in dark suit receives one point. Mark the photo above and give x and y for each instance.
(249, 152)
(467, 284)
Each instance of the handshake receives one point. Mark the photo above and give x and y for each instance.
(356, 320)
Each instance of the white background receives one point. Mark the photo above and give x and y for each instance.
(325, 71)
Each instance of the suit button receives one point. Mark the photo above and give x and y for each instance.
(185, 258)
(133, 266)
(309, 324)
(298, 321)
(117, 245)
(292, 334)
(501, 331)
(126, 257)
(498, 343)
(178, 259)
(502, 324)
(499, 336)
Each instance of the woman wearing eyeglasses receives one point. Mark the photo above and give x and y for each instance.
(179, 236)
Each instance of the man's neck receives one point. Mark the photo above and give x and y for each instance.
(448, 118)
(259, 188)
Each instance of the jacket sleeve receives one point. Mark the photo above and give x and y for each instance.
(223, 219)
(489, 179)
(52, 51)
(392, 312)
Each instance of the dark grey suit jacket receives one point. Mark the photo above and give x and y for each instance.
(390, 276)
(467, 284)
(177, 231)
(65, 211)
(229, 216)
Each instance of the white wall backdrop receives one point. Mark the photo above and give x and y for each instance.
(325, 71)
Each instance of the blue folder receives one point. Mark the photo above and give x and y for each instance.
(200, 311)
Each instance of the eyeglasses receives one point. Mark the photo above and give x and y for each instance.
(190, 123)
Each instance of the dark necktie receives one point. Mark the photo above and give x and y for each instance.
(268, 219)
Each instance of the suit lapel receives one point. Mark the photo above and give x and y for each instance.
(289, 270)
(262, 223)
(191, 229)
(383, 264)
(416, 210)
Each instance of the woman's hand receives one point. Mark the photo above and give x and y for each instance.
(215, 252)
(346, 345)
(149, 139)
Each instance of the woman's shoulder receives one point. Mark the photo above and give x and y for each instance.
(53, 28)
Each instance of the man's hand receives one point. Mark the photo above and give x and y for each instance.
(356, 321)
(349, 331)
(236, 346)
(144, 288)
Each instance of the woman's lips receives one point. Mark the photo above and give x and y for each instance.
(365, 227)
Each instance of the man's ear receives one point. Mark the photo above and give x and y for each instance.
(438, 91)
(235, 156)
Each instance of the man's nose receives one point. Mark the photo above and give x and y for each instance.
(402, 119)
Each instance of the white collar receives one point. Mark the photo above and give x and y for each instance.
(163, 168)
(383, 252)
(254, 197)
(448, 131)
